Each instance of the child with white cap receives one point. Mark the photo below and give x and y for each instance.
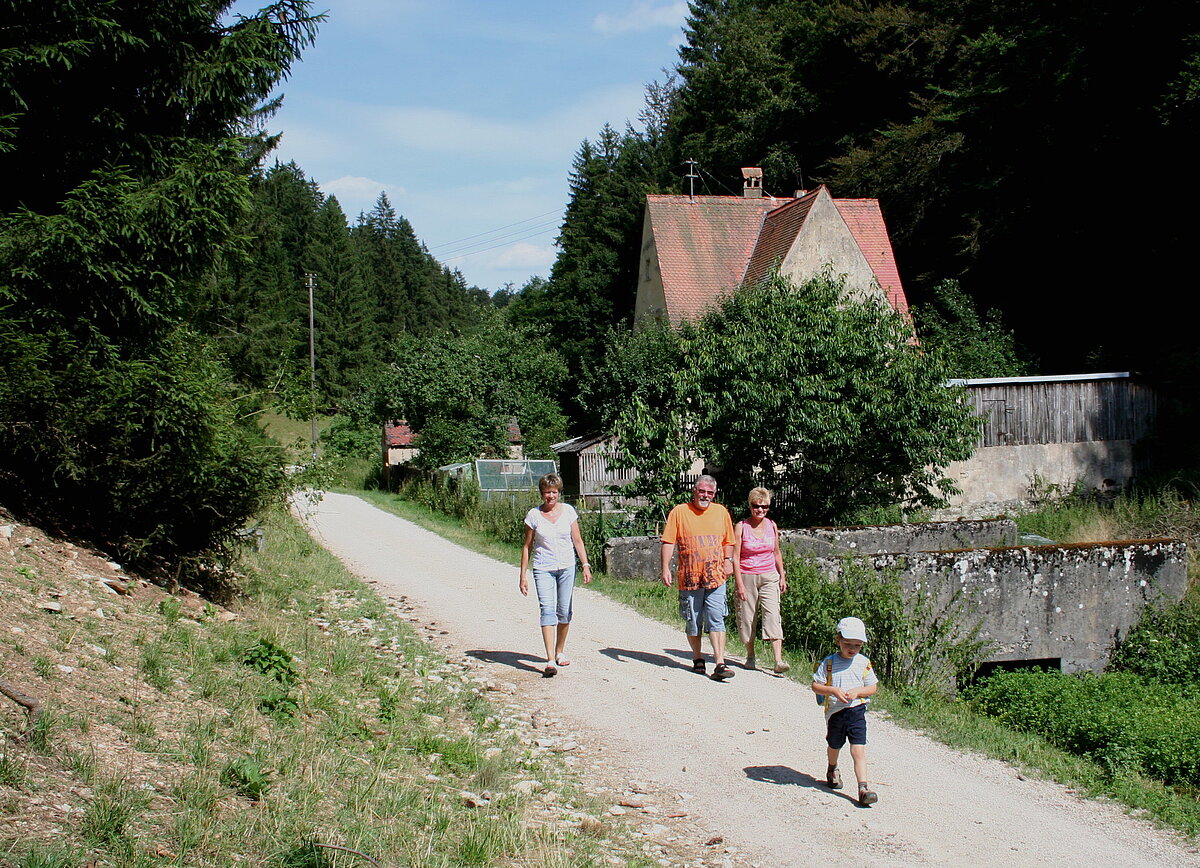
(844, 683)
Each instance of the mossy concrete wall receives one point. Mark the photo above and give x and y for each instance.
(639, 556)
(1068, 602)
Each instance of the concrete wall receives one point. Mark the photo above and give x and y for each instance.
(639, 556)
(999, 478)
(1063, 602)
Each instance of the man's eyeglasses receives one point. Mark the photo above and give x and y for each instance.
(760, 506)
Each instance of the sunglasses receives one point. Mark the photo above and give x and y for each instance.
(760, 506)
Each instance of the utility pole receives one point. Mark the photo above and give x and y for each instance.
(691, 176)
(311, 280)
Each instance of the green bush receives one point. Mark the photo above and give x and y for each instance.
(1164, 647)
(149, 456)
(1117, 719)
(914, 640)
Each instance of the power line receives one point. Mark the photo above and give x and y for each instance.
(497, 229)
(536, 230)
(533, 234)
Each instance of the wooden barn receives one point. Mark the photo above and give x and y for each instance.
(1045, 434)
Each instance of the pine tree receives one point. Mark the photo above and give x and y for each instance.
(344, 314)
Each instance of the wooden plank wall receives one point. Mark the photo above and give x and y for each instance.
(1064, 412)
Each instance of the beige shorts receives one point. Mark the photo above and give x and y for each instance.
(761, 589)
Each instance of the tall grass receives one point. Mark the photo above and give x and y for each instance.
(310, 720)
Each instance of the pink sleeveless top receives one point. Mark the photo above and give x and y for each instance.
(758, 555)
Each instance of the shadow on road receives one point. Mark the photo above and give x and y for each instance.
(622, 655)
(511, 658)
(785, 776)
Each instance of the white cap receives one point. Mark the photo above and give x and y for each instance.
(852, 628)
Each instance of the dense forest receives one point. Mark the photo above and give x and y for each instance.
(1032, 161)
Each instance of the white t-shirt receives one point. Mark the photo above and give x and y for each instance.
(840, 672)
(553, 548)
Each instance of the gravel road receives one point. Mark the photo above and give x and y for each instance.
(746, 757)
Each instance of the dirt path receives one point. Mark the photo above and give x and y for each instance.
(743, 757)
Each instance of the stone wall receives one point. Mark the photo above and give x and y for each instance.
(639, 556)
(1069, 603)
(1058, 602)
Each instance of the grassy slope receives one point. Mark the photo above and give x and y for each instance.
(949, 722)
(161, 746)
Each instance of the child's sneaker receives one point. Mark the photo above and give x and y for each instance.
(867, 797)
(834, 779)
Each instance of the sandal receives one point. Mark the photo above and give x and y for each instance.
(550, 671)
(562, 660)
(721, 672)
(698, 666)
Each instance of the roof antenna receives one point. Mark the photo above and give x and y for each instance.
(691, 176)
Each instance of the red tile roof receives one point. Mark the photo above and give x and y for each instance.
(779, 231)
(703, 247)
(866, 225)
(397, 433)
(710, 245)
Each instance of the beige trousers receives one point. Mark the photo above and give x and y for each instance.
(761, 588)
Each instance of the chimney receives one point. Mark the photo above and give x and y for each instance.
(752, 183)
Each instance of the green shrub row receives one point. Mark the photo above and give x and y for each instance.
(915, 640)
(1117, 719)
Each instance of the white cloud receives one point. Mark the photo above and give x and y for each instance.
(549, 137)
(525, 257)
(644, 15)
(353, 190)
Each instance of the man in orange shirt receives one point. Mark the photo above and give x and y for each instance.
(703, 532)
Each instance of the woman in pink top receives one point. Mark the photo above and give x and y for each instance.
(758, 572)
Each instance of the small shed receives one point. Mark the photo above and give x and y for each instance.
(588, 478)
(1048, 433)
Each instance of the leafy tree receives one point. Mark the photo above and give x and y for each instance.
(971, 344)
(459, 390)
(824, 400)
(127, 142)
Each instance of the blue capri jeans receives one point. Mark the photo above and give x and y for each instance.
(554, 589)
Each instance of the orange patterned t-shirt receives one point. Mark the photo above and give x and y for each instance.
(700, 538)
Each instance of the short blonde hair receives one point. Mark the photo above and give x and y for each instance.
(550, 480)
(758, 495)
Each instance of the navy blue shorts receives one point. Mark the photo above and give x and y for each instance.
(849, 723)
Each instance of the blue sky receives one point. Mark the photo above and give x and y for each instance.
(468, 113)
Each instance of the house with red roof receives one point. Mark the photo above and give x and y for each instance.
(698, 249)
